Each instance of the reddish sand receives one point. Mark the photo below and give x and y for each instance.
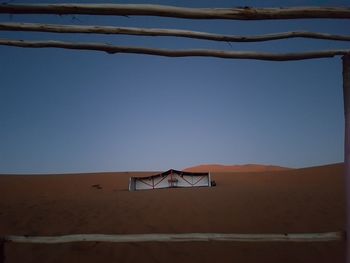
(291, 201)
(219, 168)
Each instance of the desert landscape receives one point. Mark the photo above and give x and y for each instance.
(114, 100)
(308, 200)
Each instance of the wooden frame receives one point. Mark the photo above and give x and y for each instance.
(241, 13)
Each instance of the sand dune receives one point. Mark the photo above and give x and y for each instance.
(235, 168)
(289, 201)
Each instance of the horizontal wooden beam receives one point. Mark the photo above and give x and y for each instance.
(188, 237)
(52, 28)
(112, 49)
(238, 13)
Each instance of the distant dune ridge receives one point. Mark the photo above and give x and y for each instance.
(308, 200)
(235, 168)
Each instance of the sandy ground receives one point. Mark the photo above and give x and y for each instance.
(292, 201)
(235, 168)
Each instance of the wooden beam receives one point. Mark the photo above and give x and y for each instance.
(111, 49)
(238, 13)
(188, 237)
(346, 95)
(165, 32)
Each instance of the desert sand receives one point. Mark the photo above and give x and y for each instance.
(283, 201)
(218, 168)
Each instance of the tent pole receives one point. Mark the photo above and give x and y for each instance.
(346, 94)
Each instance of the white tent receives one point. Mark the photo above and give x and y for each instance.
(170, 179)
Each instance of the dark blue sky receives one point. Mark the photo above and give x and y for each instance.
(79, 111)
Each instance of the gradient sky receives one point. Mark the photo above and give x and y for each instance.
(78, 111)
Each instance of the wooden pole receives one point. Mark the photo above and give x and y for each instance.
(238, 13)
(346, 94)
(184, 237)
(52, 28)
(111, 49)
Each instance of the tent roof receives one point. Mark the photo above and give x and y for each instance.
(173, 171)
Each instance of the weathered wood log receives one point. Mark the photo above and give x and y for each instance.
(165, 32)
(239, 13)
(111, 49)
(188, 237)
(346, 96)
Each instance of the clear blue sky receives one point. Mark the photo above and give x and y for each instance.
(79, 111)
